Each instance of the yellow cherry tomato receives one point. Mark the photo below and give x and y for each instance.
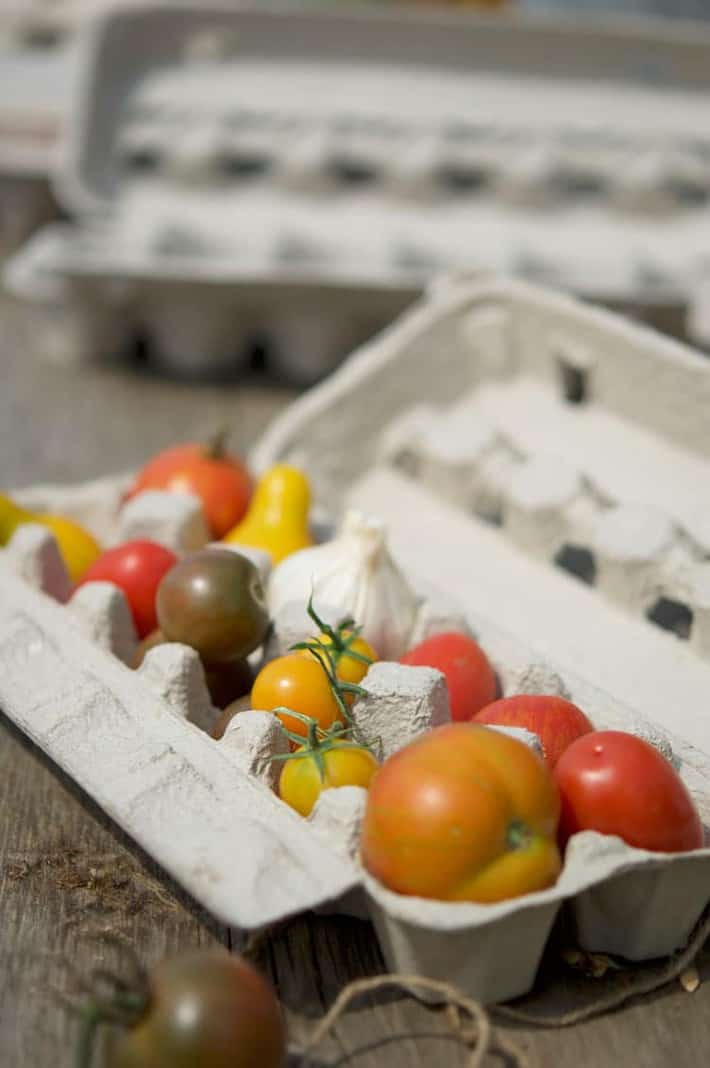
(347, 668)
(343, 764)
(299, 683)
(78, 548)
(278, 516)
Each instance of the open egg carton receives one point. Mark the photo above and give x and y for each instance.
(137, 742)
(236, 170)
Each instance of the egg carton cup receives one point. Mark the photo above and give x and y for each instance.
(596, 178)
(136, 742)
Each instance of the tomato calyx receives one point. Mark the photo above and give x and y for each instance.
(518, 835)
(112, 1000)
(216, 445)
(318, 742)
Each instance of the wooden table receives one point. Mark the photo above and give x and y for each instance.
(69, 877)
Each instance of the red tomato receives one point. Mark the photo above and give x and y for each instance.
(136, 567)
(555, 721)
(616, 783)
(470, 678)
(221, 481)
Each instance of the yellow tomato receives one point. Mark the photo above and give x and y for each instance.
(277, 519)
(348, 668)
(298, 683)
(343, 764)
(78, 548)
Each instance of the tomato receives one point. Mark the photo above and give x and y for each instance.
(221, 481)
(344, 764)
(214, 601)
(462, 813)
(470, 679)
(299, 683)
(137, 568)
(555, 721)
(208, 1009)
(348, 668)
(616, 783)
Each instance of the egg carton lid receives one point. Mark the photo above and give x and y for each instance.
(271, 57)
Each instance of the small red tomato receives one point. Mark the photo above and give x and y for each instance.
(556, 722)
(137, 568)
(616, 783)
(470, 679)
(220, 480)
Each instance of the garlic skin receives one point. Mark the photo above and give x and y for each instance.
(355, 574)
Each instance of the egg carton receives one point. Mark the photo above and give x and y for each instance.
(207, 152)
(137, 743)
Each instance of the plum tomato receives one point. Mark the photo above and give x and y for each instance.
(470, 679)
(221, 481)
(304, 777)
(616, 783)
(213, 600)
(137, 568)
(555, 721)
(462, 813)
(299, 683)
(205, 1008)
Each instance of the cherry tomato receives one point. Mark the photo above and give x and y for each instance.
(206, 1009)
(555, 721)
(470, 679)
(137, 568)
(616, 783)
(221, 481)
(462, 813)
(348, 668)
(214, 601)
(302, 779)
(299, 683)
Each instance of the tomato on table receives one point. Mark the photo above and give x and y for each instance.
(204, 1009)
(220, 480)
(137, 568)
(556, 722)
(616, 783)
(298, 683)
(470, 678)
(463, 813)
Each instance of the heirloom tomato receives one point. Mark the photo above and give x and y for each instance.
(555, 721)
(616, 783)
(137, 568)
(221, 481)
(338, 763)
(298, 683)
(205, 1009)
(462, 813)
(470, 679)
(213, 600)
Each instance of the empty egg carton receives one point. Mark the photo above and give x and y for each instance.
(226, 198)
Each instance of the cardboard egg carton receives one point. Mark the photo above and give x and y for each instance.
(137, 742)
(206, 810)
(225, 192)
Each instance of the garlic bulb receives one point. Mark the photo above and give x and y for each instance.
(356, 575)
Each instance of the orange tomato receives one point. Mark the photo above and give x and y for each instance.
(302, 780)
(299, 683)
(463, 813)
(220, 480)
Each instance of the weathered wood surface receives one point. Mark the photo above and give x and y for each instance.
(69, 880)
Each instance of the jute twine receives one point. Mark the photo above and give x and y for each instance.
(470, 1022)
